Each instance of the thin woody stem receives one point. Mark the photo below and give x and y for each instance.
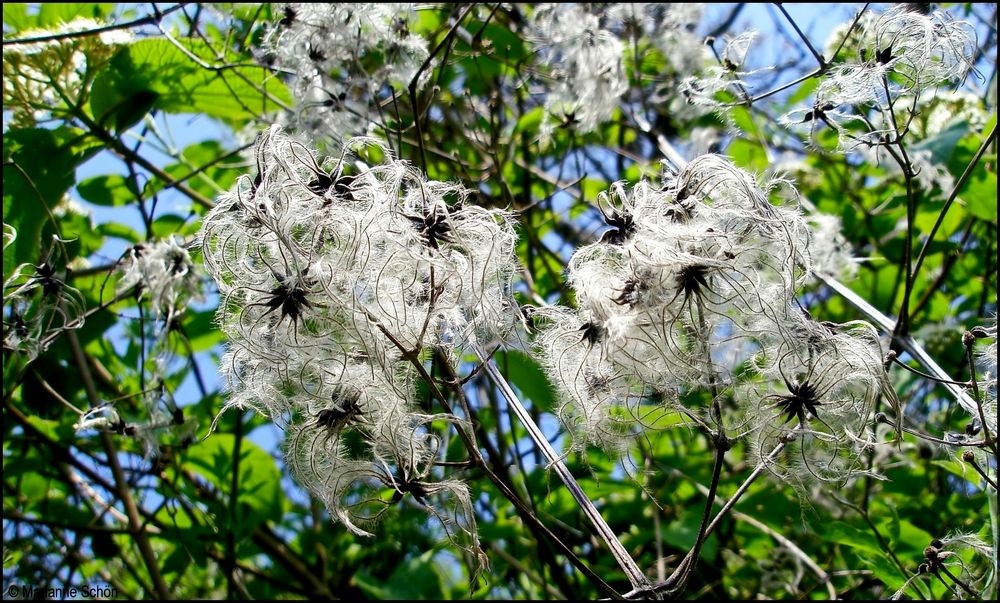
(636, 577)
(468, 437)
(670, 584)
(122, 489)
(678, 580)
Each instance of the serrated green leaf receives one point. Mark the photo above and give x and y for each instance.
(160, 71)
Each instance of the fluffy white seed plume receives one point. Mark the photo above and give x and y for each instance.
(959, 554)
(922, 50)
(163, 271)
(342, 56)
(692, 281)
(721, 84)
(586, 63)
(818, 384)
(661, 292)
(596, 398)
(987, 359)
(41, 302)
(829, 250)
(669, 26)
(901, 53)
(332, 275)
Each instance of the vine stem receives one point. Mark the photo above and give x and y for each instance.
(153, 19)
(468, 438)
(635, 575)
(669, 585)
(788, 543)
(135, 525)
(906, 341)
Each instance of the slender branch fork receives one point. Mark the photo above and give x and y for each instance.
(123, 490)
(675, 582)
(635, 575)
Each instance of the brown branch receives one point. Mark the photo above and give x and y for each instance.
(122, 487)
(86, 33)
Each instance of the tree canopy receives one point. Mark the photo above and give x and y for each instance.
(499, 300)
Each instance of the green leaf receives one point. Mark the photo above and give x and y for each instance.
(50, 15)
(417, 579)
(530, 121)
(156, 73)
(977, 196)
(54, 430)
(107, 190)
(259, 479)
(118, 231)
(803, 91)
(943, 143)
(200, 327)
(884, 569)
(979, 193)
(748, 154)
(116, 87)
(53, 13)
(15, 17)
(39, 167)
(133, 109)
(683, 531)
(957, 469)
(743, 119)
(211, 180)
(592, 187)
(844, 533)
(428, 21)
(169, 224)
(525, 374)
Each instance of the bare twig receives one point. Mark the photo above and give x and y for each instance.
(636, 577)
(802, 36)
(147, 20)
(121, 484)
